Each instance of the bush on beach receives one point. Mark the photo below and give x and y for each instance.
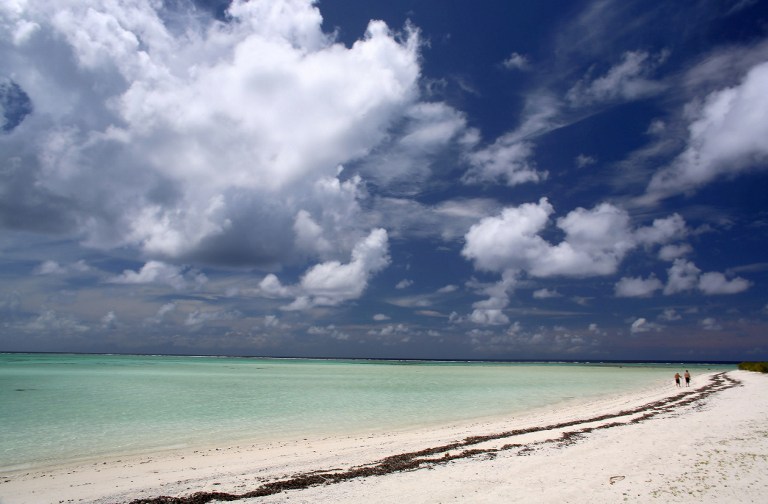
(760, 367)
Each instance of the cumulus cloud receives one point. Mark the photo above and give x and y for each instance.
(642, 325)
(54, 268)
(508, 160)
(726, 136)
(332, 282)
(663, 230)
(404, 284)
(516, 61)
(717, 283)
(156, 272)
(595, 241)
(488, 316)
(546, 294)
(671, 252)
(637, 287)
(173, 139)
(683, 275)
(490, 311)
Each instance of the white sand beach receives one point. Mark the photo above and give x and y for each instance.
(706, 443)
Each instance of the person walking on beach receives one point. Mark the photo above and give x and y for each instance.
(677, 379)
(687, 378)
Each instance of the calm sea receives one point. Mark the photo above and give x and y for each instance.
(62, 408)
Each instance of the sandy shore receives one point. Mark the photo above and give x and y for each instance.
(706, 443)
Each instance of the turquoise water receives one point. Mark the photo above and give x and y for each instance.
(61, 408)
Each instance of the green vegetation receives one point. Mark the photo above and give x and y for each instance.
(760, 367)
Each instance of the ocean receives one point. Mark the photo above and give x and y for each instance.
(60, 408)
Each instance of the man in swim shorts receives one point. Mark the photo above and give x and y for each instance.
(687, 378)
(677, 379)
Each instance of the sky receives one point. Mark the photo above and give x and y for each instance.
(543, 179)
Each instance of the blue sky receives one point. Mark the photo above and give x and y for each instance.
(404, 179)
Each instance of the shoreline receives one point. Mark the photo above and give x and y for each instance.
(320, 468)
(70, 415)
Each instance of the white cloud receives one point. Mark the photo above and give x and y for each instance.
(166, 309)
(399, 331)
(404, 284)
(594, 328)
(671, 252)
(683, 275)
(657, 127)
(447, 220)
(509, 240)
(109, 321)
(516, 61)
(710, 324)
(717, 283)
(546, 294)
(198, 317)
(331, 283)
(726, 136)
(508, 160)
(309, 234)
(447, 289)
(406, 159)
(595, 241)
(663, 230)
(271, 287)
(160, 316)
(582, 160)
(637, 287)
(641, 325)
(627, 80)
(488, 317)
(380, 317)
(514, 329)
(156, 272)
(490, 311)
(670, 314)
(330, 330)
(173, 139)
(52, 321)
(54, 268)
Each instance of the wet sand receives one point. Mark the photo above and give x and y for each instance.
(706, 443)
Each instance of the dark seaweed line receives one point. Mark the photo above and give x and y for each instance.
(415, 460)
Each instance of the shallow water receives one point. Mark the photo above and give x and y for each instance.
(60, 408)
